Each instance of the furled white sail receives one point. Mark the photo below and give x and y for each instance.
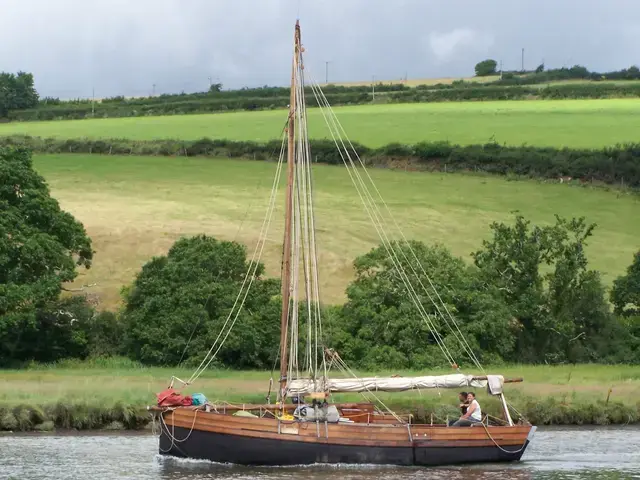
(385, 384)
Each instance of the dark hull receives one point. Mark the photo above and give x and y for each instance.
(238, 449)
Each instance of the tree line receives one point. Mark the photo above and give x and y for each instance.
(21, 102)
(489, 67)
(529, 296)
(618, 165)
(464, 91)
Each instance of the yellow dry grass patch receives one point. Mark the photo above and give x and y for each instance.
(128, 230)
(417, 81)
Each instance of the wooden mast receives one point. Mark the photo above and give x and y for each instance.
(286, 252)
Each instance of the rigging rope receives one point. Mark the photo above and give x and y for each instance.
(387, 244)
(450, 322)
(250, 275)
(235, 237)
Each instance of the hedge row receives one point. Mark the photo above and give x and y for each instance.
(568, 91)
(612, 165)
(213, 103)
(205, 105)
(509, 78)
(259, 92)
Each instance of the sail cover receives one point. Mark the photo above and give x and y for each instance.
(385, 384)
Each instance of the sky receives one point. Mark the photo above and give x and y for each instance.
(125, 47)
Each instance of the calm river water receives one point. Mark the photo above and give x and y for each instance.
(556, 453)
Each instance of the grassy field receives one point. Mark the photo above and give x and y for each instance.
(98, 382)
(89, 392)
(136, 207)
(572, 123)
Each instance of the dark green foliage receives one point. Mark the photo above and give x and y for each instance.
(577, 72)
(176, 106)
(188, 294)
(16, 92)
(380, 326)
(104, 333)
(67, 328)
(611, 165)
(625, 294)
(40, 247)
(559, 306)
(486, 67)
(61, 331)
(469, 92)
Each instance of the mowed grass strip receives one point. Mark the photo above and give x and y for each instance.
(571, 123)
(137, 207)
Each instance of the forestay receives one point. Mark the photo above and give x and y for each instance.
(386, 384)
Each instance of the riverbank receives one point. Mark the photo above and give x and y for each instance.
(113, 394)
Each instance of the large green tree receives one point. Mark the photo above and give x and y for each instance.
(380, 326)
(40, 248)
(559, 305)
(486, 67)
(16, 92)
(179, 302)
(625, 294)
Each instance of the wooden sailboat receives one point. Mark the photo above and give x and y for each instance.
(312, 428)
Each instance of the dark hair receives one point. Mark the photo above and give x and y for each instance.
(471, 393)
(464, 394)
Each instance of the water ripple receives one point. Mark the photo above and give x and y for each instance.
(556, 453)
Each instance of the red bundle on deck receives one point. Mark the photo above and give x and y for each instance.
(171, 398)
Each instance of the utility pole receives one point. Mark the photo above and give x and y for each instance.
(326, 72)
(522, 60)
(210, 83)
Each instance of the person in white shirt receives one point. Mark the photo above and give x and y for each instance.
(473, 415)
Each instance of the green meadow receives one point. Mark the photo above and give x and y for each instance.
(570, 123)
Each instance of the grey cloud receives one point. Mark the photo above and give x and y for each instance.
(126, 46)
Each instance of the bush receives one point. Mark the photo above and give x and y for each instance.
(179, 302)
